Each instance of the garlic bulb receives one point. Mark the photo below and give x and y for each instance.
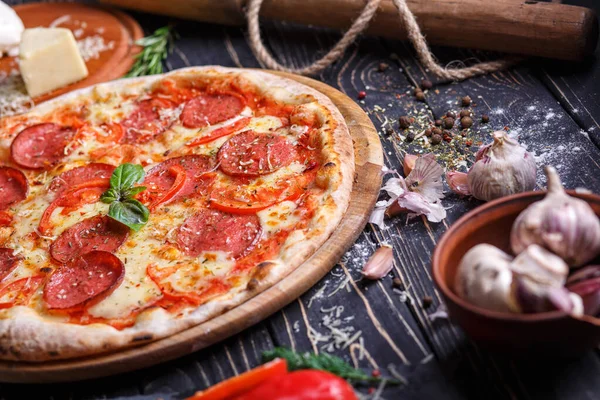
(484, 278)
(502, 168)
(565, 225)
(586, 284)
(541, 266)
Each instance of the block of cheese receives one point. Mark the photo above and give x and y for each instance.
(11, 28)
(49, 59)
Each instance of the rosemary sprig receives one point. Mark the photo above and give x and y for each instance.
(156, 47)
(323, 362)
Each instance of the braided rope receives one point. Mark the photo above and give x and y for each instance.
(358, 26)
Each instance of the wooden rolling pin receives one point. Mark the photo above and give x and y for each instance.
(533, 28)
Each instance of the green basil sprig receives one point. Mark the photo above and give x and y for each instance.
(123, 207)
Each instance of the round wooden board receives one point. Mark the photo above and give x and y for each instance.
(88, 23)
(369, 161)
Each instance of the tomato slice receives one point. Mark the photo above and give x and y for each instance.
(73, 198)
(237, 197)
(180, 176)
(5, 218)
(213, 288)
(22, 290)
(244, 382)
(217, 133)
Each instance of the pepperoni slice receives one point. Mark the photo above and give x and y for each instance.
(254, 154)
(79, 175)
(41, 146)
(8, 261)
(162, 180)
(96, 233)
(146, 122)
(84, 281)
(13, 186)
(209, 109)
(216, 230)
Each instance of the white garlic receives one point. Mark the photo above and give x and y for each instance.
(502, 168)
(565, 225)
(541, 266)
(484, 278)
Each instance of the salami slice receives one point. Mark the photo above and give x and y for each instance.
(79, 175)
(84, 281)
(41, 146)
(8, 261)
(96, 233)
(147, 121)
(210, 109)
(254, 154)
(161, 179)
(13, 187)
(216, 230)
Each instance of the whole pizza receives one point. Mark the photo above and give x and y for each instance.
(138, 208)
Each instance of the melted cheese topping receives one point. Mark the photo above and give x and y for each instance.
(154, 244)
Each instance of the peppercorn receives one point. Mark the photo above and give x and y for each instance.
(420, 96)
(438, 122)
(436, 139)
(451, 114)
(485, 118)
(428, 132)
(463, 133)
(466, 101)
(404, 122)
(436, 131)
(397, 283)
(448, 122)
(410, 137)
(426, 84)
(389, 131)
(427, 301)
(383, 67)
(465, 113)
(466, 122)
(362, 94)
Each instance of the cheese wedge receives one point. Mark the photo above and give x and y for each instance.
(49, 59)
(11, 28)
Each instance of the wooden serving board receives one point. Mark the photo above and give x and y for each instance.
(367, 183)
(94, 24)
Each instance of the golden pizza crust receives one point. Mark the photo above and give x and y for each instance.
(27, 336)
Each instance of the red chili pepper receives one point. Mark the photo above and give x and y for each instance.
(302, 385)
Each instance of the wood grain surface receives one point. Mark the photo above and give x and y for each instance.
(115, 28)
(368, 163)
(512, 26)
(553, 116)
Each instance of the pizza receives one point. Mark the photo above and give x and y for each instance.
(138, 208)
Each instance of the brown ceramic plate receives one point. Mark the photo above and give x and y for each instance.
(551, 333)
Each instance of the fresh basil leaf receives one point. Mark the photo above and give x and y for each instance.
(109, 196)
(129, 212)
(133, 191)
(125, 176)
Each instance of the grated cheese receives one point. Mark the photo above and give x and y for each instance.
(90, 47)
(13, 95)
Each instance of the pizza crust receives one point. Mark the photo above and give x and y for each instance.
(27, 336)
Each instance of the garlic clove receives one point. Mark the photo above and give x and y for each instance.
(380, 263)
(502, 168)
(484, 278)
(408, 163)
(541, 266)
(565, 225)
(532, 297)
(589, 291)
(458, 182)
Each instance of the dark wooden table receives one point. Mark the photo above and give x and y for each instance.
(553, 106)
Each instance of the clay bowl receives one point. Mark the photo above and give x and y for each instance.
(546, 334)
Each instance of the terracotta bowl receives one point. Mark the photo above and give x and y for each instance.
(549, 334)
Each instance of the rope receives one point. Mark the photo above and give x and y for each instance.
(360, 25)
